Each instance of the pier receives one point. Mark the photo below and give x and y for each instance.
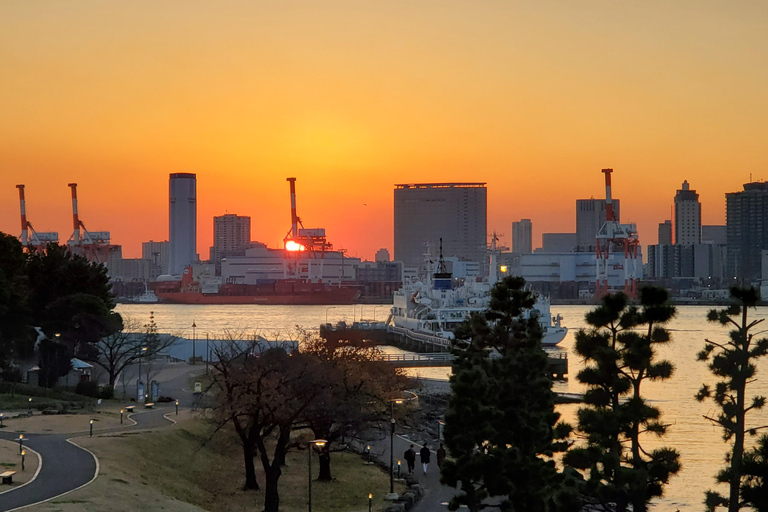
(431, 351)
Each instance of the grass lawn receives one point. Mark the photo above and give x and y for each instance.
(170, 469)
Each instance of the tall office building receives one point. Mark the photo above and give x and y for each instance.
(231, 236)
(746, 230)
(427, 212)
(590, 217)
(665, 232)
(522, 236)
(687, 217)
(182, 233)
(158, 253)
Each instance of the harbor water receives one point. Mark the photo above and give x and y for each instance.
(698, 441)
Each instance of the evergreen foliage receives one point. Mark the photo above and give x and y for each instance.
(619, 350)
(501, 429)
(733, 363)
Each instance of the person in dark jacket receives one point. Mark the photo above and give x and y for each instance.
(425, 454)
(440, 455)
(410, 458)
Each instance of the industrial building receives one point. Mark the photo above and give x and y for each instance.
(182, 213)
(428, 212)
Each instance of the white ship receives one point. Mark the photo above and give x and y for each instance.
(436, 308)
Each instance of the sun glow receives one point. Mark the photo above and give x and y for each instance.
(293, 246)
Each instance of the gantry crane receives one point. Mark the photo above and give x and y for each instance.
(618, 237)
(31, 239)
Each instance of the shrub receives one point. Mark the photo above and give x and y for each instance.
(88, 388)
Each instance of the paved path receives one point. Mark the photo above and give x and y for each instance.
(66, 467)
(435, 493)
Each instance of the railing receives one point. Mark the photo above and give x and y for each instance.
(435, 357)
(417, 336)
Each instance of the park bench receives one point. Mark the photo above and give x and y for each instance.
(149, 405)
(7, 477)
(129, 408)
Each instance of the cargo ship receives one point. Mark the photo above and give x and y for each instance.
(284, 292)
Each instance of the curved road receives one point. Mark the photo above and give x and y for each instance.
(65, 466)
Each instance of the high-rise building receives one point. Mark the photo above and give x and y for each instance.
(427, 212)
(522, 236)
(182, 233)
(590, 217)
(158, 253)
(687, 217)
(747, 231)
(231, 236)
(665, 232)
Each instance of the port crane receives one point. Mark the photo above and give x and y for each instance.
(31, 240)
(95, 246)
(619, 237)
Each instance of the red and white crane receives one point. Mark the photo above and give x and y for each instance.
(93, 245)
(614, 236)
(31, 239)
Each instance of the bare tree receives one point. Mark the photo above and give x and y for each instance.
(126, 346)
(263, 392)
(360, 388)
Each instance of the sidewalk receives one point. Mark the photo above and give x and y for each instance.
(435, 494)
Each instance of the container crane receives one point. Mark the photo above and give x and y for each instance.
(300, 240)
(31, 240)
(92, 245)
(615, 236)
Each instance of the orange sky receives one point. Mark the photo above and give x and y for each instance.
(353, 96)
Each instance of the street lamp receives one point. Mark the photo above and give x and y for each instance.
(326, 312)
(177, 407)
(21, 443)
(193, 341)
(23, 453)
(440, 423)
(370, 502)
(392, 444)
(319, 443)
(30, 405)
(91, 431)
(2, 415)
(121, 416)
(138, 381)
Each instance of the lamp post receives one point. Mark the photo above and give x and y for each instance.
(91, 430)
(177, 407)
(392, 444)
(440, 424)
(2, 415)
(138, 381)
(30, 405)
(121, 416)
(23, 453)
(207, 352)
(319, 443)
(326, 312)
(21, 443)
(193, 341)
(370, 502)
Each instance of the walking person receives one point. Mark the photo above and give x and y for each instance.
(410, 458)
(440, 456)
(425, 454)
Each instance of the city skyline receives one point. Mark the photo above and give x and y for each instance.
(531, 98)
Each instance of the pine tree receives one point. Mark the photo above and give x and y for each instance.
(733, 362)
(501, 428)
(619, 349)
